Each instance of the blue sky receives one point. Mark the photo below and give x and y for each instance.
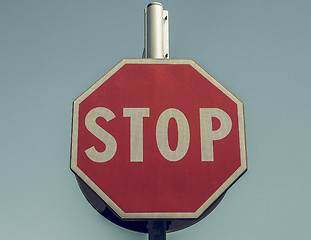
(51, 51)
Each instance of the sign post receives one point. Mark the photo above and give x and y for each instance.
(157, 230)
(157, 140)
(156, 46)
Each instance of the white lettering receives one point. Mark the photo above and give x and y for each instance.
(183, 134)
(207, 133)
(136, 115)
(101, 134)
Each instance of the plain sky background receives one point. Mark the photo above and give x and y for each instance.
(51, 51)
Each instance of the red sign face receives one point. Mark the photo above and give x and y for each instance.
(158, 139)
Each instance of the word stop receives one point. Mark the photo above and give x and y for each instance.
(136, 115)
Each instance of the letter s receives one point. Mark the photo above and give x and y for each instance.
(101, 134)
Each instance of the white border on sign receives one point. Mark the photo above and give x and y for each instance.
(166, 215)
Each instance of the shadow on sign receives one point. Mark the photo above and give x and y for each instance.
(138, 225)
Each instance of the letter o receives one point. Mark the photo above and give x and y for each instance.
(183, 134)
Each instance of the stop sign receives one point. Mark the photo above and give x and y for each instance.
(158, 139)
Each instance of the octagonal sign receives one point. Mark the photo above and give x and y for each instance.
(158, 139)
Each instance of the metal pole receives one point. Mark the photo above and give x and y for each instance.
(156, 46)
(156, 31)
(157, 230)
